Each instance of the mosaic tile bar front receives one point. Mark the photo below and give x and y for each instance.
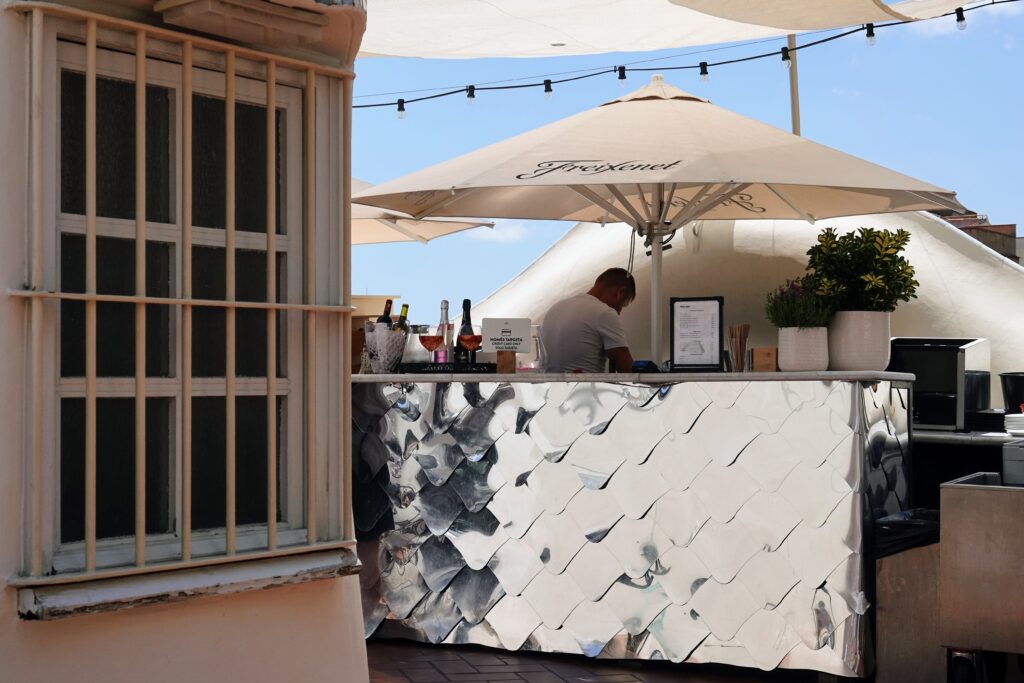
(695, 521)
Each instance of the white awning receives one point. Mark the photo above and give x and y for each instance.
(469, 29)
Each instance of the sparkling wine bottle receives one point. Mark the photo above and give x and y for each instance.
(441, 354)
(465, 353)
(386, 315)
(403, 320)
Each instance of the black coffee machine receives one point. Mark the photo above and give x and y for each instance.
(954, 379)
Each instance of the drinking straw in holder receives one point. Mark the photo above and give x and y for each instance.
(736, 338)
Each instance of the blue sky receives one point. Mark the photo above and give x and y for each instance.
(939, 104)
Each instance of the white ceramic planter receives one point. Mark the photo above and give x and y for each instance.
(803, 349)
(859, 340)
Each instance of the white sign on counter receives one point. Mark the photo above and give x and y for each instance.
(697, 333)
(506, 334)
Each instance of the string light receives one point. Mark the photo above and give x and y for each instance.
(620, 71)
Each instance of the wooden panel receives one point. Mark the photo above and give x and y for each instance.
(981, 580)
(908, 647)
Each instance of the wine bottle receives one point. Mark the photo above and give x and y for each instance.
(463, 354)
(386, 316)
(441, 354)
(403, 320)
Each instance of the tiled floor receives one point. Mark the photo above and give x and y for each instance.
(402, 662)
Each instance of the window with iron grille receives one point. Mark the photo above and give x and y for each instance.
(189, 285)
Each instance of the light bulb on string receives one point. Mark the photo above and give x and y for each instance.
(961, 20)
(870, 28)
(401, 108)
(548, 90)
(786, 61)
(704, 72)
(470, 95)
(621, 70)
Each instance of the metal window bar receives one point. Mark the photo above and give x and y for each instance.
(90, 288)
(229, 254)
(140, 290)
(345, 228)
(310, 294)
(186, 309)
(36, 283)
(271, 136)
(171, 301)
(37, 294)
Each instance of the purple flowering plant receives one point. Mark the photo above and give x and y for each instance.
(797, 304)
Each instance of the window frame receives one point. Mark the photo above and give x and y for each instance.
(65, 51)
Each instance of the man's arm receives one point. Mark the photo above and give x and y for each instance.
(621, 360)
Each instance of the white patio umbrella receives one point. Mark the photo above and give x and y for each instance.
(656, 159)
(371, 225)
(473, 29)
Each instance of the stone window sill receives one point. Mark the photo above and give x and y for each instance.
(48, 602)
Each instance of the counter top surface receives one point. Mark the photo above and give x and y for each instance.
(643, 378)
(964, 438)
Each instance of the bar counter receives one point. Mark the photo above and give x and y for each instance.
(700, 518)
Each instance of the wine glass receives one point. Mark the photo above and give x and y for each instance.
(472, 342)
(431, 341)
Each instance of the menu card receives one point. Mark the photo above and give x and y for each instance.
(696, 340)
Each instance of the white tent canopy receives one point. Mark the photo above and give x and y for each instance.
(966, 290)
(470, 29)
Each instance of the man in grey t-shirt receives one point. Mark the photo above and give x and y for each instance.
(583, 332)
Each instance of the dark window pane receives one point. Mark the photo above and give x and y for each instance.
(115, 323)
(209, 165)
(208, 461)
(251, 324)
(209, 326)
(115, 467)
(115, 148)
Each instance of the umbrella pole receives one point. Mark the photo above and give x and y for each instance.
(794, 85)
(656, 305)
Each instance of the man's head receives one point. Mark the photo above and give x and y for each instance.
(614, 287)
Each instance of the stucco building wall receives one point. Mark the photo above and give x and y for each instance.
(309, 632)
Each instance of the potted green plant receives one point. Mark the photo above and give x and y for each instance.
(802, 317)
(862, 276)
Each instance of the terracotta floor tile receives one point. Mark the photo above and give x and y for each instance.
(401, 662)
(511, 668)
(477, 658)
(386, 677)
(455, 666)
(542, 677)
(430, 675)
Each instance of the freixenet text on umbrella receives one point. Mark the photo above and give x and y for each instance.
(593, 167)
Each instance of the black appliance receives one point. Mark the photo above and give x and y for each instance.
(1013, 391)
(953, 378)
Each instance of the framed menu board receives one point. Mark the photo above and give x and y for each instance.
(696, 333)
